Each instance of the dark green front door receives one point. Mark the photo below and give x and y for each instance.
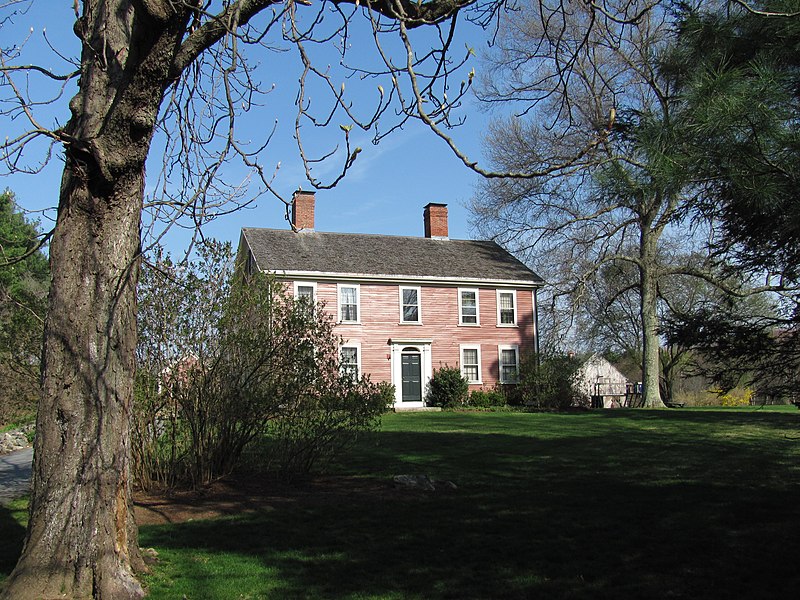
(412, 378)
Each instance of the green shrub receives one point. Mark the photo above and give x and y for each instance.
(447, 388)
(387, 393)
(313, 430)
(486, 398)
(513, 393)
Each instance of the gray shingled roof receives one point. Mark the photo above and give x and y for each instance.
(280, 250)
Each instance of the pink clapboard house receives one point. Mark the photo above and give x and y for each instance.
(405, 306)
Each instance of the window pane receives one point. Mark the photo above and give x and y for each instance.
(470, 356)
(349, 363)
(507, 308)
(305, 295)
(349, 312)
(469, 364)
(469, 307)
(508, 365)
(410, 313)
(348, 295)
(471, 372)
(410, 305)
(348, 299)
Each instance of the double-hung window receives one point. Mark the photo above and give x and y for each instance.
(509, 363)
(305, 292)
(506, 308)
(468, 307)
(350, 364)
(410, 309)
(349, 303)
(471, 363)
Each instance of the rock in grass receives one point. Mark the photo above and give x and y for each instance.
(423, 482)
(11, 441)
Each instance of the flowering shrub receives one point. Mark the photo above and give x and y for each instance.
(224, 362)
(736, 397)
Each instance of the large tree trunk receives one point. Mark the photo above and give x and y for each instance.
(651, 393)
(82, 538)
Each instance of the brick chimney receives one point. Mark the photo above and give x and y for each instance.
(435, 216)
(303, 210)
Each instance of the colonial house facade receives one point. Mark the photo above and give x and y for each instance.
(405, 306)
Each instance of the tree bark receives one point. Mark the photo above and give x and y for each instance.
(82, 540)
(651, 393)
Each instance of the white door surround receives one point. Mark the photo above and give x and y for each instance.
(422, 347)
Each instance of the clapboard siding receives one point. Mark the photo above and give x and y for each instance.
(379, 315)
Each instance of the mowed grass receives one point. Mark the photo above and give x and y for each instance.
(603, 504)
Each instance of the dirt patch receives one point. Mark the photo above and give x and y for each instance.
(234, 496)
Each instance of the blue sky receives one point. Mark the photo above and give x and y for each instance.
(384, 192)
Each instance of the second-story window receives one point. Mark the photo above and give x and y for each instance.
(305, 292)
(410, 305)
(468, 307)
(348, 303)
(506, 308)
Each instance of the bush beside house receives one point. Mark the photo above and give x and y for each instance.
(448, 388)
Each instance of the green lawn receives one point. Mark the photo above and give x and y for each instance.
(604, 504)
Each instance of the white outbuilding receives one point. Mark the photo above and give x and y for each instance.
(602, 382)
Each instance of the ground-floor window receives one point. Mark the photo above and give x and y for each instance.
(351, 361)
(471, 363)
(509, 364)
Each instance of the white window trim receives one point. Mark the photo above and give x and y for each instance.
(477, 322)
(516, 311)
(339, 287)
(500, 349)
(477, 347)
(419, 304)
(357, 346)
(311, 284)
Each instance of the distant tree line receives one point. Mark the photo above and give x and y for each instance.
(24, 281)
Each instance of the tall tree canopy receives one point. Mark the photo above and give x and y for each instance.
(598, 146)
(184, 68)
(738, 70)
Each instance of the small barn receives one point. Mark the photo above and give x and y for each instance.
(602, 382)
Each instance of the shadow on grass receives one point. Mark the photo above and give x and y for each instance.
(12, 534)
(776, 417)
(596, 512)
